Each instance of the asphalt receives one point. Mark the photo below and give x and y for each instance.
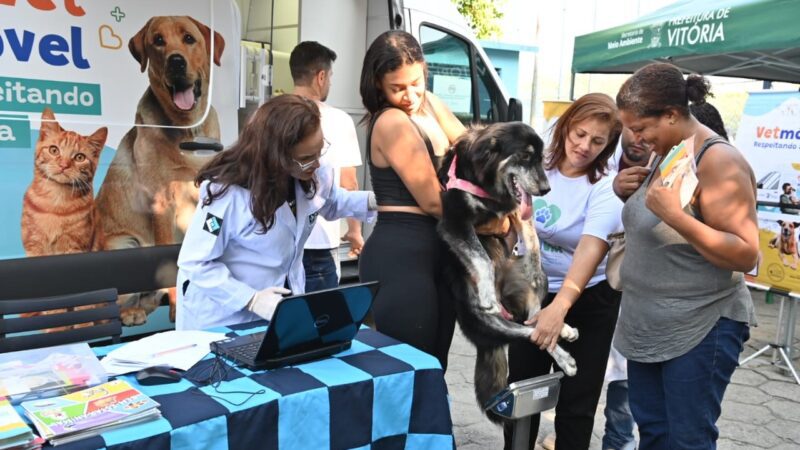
(761, 408)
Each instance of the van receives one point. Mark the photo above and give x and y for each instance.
(116, 106)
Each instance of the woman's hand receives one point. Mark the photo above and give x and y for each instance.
(628, 181)
(665, 201)
(548, 322)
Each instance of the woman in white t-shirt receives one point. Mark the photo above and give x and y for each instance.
(573, 221)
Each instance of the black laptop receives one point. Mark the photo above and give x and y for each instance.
(303, 327)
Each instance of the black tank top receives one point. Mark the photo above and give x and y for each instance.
(388, 187)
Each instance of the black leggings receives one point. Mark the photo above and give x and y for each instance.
(405, 254)
(595, 316)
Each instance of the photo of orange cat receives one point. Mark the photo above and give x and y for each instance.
(58, 212)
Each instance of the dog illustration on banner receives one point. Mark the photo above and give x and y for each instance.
(786, 243)
(148, 196)
(497, 280)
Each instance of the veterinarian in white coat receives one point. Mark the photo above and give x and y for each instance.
(237, 260)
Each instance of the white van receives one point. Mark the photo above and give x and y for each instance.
(94, 73)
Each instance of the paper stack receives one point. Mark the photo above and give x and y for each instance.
(177, 349)
(90, 412)
(679, 162)
(14, 433)
(46, 372)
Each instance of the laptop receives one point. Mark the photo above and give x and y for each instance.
(303, 328)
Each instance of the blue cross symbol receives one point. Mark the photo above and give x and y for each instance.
(117, 14)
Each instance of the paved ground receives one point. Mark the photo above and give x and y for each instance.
(761, 408)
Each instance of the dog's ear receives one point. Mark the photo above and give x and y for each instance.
(219, 41)
(796, 224)
(136, 46)
(780, 222)
(459, 147)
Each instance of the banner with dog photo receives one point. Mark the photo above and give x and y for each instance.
(769, 137)
(95, 98)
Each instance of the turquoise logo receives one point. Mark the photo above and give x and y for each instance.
(29, 95)
(545, 214)
(15, 132)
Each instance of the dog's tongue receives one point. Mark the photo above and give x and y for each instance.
(525, 209)
(184, 99)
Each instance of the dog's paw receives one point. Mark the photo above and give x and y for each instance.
(569, 366)
(133, 316)
(569, 334)
(564, 360)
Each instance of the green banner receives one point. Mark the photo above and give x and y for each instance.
(29, 95)
(690, 28)
(15, 131)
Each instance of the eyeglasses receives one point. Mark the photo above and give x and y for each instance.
(310, 162)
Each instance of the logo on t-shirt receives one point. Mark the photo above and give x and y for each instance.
(545, 214)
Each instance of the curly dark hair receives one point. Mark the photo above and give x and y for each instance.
(261, 160)
(591, 106)
(658, 87)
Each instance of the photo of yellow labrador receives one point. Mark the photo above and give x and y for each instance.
(148, 196)
(786, 243)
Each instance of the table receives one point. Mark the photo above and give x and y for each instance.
(380, 394)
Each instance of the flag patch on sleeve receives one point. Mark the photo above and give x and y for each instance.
(212, 224)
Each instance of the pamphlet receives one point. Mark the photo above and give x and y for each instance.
(14, 432)
(679, 162)
(46, 372)
(90, 412)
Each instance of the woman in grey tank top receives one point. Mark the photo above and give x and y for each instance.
(685, 308)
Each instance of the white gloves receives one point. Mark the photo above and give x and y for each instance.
(265, 301)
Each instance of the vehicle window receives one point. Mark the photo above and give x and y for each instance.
(449, 74)
(488, 94)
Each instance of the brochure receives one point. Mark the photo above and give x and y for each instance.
(13, 431)
(679, 162)
(90, 412)
(46, 372)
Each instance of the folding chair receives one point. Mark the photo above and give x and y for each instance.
(24, 333)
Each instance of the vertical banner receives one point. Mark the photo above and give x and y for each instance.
(769, 137)
(95, 100)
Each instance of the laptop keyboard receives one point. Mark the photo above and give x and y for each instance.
(250, 350)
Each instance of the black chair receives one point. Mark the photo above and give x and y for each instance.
(106, 310)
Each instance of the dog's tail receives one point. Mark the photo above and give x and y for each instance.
(491, 374)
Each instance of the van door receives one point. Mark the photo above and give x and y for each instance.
(458, 71)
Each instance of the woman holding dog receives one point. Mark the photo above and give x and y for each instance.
(409, 130)
(572, 222)
(259, 201)
(686, 310)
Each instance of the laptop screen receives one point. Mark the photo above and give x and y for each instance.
(317, 319)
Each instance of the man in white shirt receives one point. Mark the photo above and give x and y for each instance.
(311, 64)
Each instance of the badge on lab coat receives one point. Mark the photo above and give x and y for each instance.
(212, 224)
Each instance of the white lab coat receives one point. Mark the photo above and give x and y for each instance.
(224, 260)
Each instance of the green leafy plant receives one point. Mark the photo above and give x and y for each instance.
(482, 15)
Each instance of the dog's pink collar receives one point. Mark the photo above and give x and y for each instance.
(463, 185)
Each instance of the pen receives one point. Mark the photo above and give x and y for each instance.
(176, 349)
